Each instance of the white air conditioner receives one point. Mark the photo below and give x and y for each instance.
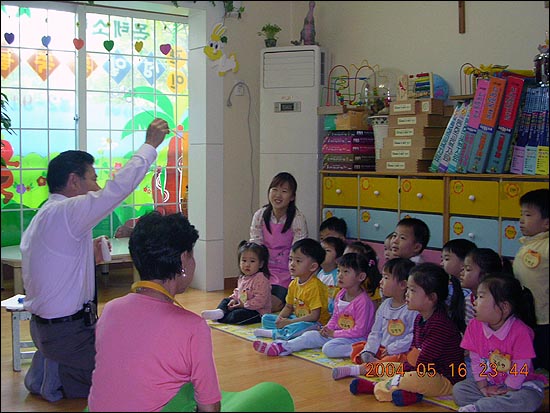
(292, 81)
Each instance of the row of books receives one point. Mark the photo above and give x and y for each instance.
(503, 129)
(349, 150)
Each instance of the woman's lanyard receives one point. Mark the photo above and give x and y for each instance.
(154, 286)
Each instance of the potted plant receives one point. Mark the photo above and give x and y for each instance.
(270, 32)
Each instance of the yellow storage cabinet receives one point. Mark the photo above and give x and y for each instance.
(473, 197)
(379, 193)
(340, 190)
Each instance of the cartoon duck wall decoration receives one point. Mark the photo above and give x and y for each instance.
(214, 51)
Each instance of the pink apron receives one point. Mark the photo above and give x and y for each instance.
(279, 245)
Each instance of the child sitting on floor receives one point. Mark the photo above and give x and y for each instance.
(373, 273)
(252, 297)
(500, 342)
(334, 248)
(392, 333)
(306, 305)
(432, 363)
(351, 321)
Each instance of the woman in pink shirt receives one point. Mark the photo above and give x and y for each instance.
(278, 225)
(153, 354)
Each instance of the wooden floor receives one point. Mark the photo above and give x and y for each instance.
(238, 365)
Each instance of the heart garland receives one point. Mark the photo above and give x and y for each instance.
(78, 43)
(10, 37)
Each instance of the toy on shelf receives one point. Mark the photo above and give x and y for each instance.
(425, 85)
(365, 88)
(469, 76)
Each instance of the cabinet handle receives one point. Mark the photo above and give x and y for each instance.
(472, 198)
(376, 193)
(471, 235)
(338, 191)
(376, 226)
(419, 195)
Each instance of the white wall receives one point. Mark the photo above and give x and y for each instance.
(408, 37)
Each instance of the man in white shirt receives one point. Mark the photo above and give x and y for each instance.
(58, 265)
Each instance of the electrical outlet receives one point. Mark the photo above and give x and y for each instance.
(239, 89)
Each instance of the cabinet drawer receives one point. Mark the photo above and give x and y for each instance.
(511, 192)
(484, 232)
(347, 214)
(473, 197)
(378, 192)
(375, 225)
(425, 195)
(340, 191)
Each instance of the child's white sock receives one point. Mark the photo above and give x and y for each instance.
(345, 371)
(263, 332)
(212, 314)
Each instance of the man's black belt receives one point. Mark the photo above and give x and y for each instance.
(76, 316)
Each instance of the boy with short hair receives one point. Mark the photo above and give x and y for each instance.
(333, 227)
(306, 305)
(531, 264)
(410, 238)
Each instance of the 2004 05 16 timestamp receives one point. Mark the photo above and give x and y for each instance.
(422, 369)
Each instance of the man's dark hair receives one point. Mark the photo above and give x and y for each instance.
(63, 165)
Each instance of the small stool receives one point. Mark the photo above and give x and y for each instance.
(17, 345)
(14, 305)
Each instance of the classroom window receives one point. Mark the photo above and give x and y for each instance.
(80, 77)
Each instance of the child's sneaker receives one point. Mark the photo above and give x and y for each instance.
(468, 408)
(269, 349)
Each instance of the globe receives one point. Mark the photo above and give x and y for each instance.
(441, 88)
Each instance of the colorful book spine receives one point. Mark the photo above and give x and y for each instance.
(449, 159)
(508, 116)
(359, 132)
(349, 139)
(348, 158)
(348, 148)
(544, 139)
(473, 123)
(487, 125)
(530, 162)
(439, 153)
(518, 154)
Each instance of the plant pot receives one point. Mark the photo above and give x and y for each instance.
(270, 42)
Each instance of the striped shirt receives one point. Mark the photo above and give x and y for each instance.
(438, 340)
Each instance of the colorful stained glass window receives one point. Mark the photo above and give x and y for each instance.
(96, 90)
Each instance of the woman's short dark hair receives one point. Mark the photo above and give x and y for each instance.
(157, 242)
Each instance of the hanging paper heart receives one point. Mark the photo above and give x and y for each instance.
(78, 43)
(165, 48)
(46, 40)
(138, 46)
(10, 37)
(108, 45)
